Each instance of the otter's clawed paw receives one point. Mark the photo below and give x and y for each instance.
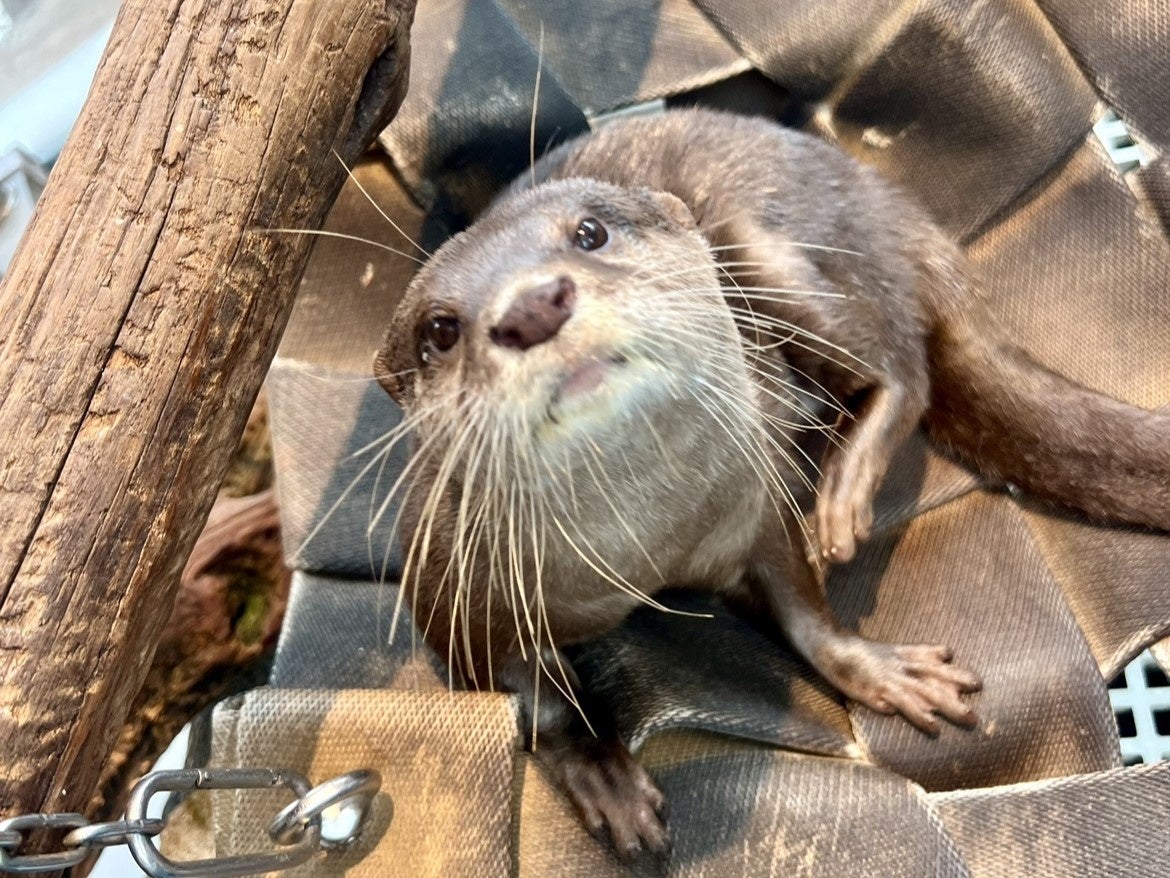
(918, 682)
(611, 790)
(844, 510)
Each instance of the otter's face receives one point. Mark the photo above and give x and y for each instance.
(568, 315)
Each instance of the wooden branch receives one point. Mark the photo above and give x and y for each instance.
(136, 323)
(224, 625)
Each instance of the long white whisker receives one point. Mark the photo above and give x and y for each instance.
(781, 243)
(535, 102)
(325, 234)
(353, 178)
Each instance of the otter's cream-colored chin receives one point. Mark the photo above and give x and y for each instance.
(597, 391)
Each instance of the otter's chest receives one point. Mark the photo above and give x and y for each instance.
(601, 568)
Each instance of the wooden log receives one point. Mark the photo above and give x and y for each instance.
(224, 625)
(137, 321)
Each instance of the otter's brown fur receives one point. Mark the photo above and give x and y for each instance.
(595, 421)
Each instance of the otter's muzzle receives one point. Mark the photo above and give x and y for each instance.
(536, 315)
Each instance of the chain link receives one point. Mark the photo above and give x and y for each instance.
(103, 835)
(10, 862)
(296, 830)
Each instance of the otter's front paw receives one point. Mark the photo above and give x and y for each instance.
(916, 681)
(844, 510)
(612, 791)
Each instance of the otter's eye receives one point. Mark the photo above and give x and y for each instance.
(442, 332)
(590, 235)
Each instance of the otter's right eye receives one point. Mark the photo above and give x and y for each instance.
(442, 333)
(590, 234)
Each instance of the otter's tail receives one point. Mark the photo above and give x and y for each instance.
(1012, 418)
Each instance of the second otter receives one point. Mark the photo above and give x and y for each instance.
(609, 377)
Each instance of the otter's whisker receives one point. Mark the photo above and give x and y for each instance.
(732, 403)
(769, 322)
(415, 468)
(657, 337)
(788, 294)
(457, 559)
(511, 595)
(417, 459)
(787, 243)
(341, 498)
(618, 517)
(769, 476)
(616, 580)
(542, 607)
(403, 580)
(535, 103)
(353, 178)
(459, 555)
(430, 510)
(407, 425)
(516, 562)
(828, 400)
(322, 233)
(301, 369)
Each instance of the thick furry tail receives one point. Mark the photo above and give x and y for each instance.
(1013, 419)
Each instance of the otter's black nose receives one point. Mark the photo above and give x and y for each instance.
(536, 315)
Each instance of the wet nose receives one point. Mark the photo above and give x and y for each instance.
(536, 315)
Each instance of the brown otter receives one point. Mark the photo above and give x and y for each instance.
(608, 378)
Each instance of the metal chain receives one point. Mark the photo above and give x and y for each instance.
(295, 831)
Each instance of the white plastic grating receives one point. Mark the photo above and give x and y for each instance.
(1140, 696)
(1119, 142)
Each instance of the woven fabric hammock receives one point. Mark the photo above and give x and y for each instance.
(986, 111)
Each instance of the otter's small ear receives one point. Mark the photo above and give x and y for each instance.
(676, 210)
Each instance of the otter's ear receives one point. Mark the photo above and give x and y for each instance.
(675, 209)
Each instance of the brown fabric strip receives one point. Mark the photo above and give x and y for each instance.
(1153, 182)
(661, 671)
(739, 809)
(1116, 580)
(969, 575)
(1111, 823)
(807, 45)
(447, 763)
(1080, 274)
(610, 55)
(1123, 45)
(966, 105)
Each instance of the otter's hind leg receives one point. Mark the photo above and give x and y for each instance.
(855, 337)
(852, 472)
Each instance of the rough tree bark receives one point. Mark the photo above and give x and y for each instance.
(136, 324)
(224, 624)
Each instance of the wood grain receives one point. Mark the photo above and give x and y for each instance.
(137, 321)
(223, 628)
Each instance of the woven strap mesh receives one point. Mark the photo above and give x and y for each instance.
(985, 111)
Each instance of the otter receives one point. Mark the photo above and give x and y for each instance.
(610, 378)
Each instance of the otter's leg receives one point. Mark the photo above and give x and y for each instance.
(917, 681)
(862, 346)
(852, 472)
(588, 759)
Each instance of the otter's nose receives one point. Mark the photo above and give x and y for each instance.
(536, 315)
